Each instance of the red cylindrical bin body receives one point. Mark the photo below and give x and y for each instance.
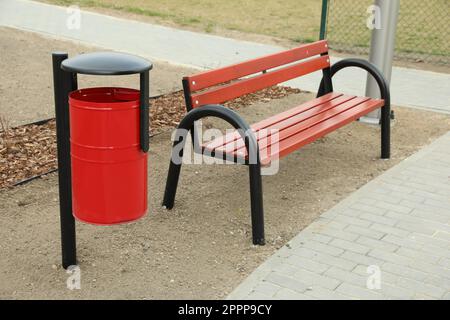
(109, 169)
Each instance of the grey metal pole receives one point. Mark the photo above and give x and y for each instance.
(382, 47)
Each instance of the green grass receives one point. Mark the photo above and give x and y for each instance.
(295, 20)
(422, 29)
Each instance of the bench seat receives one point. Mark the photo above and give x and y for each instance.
(296, 127)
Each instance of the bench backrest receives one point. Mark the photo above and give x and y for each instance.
(228, 82)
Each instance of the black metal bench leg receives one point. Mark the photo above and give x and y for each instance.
(174, 172)
(386, 131)
(256, 201)
(171, 185)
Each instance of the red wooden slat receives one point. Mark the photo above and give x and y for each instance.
(315, 132)
(303, 120)
(220, 141)
(294, 137)
(297, 110)
(213, 77)
(330, 112)
(249, 85)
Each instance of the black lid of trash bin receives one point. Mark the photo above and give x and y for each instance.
(106, 63)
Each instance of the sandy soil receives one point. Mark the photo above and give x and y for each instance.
(26, 83)
(202, 248)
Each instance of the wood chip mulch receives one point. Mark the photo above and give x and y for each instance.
(30, 150)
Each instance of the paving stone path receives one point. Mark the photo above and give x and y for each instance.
(394, 231)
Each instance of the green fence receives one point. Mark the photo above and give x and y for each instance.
(423, 32)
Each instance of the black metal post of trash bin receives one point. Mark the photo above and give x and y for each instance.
(65, 81)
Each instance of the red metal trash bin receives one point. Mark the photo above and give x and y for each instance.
(109, 169)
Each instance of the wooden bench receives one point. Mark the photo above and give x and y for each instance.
(296, 127)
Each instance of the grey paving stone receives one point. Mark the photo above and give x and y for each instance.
(430, 268)
(402, 242)
(337, 261)
(353, 221)
(338, 233)
(389, 230)
(437, 204)
(349, 212)
(283, 252)
(286, 282)
(440, 251)
(427, 240)
(415, 227)
(285, 269)
(393, 207)
(419, 186)
(422, 288)
(304, 252)
(428, 208)
(362, 231)
(442, 235)
(368, 209)
(390, 198)
(438, 281)
(326, 294)
(330, 214)
(350, 246)
(322, 238)
(394, 183)
(429, 257)
(346, 276)
(324, 248)
(361, 259)
(425, 225)
(379, 219)
(410, 197)
(433, 196)
(426, 172)
(267, 288)
(395, 292)
(392, 186)
(445, 262)
(404, 271)
(257, 296)
(359, 292)
(307, 264)
(381, 190)
(368, 201)
(312, 279)
(431, 216)
(390, 257)
(287, 294)
(377, 244)
(333, 223)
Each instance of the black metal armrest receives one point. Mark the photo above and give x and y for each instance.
(369, 67)
(226, 114)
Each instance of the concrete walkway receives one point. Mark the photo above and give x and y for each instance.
(394, 231)
(414, 88)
